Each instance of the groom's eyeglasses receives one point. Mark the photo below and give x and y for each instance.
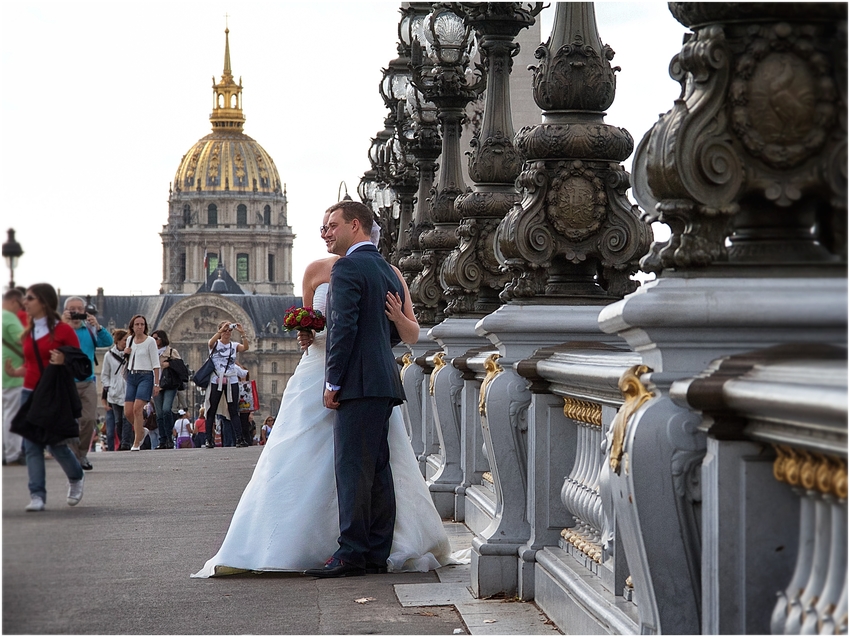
(323, 229)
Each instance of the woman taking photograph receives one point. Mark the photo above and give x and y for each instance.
(112, 396)
(165, 398)
(225, 379)
(42, 338)
(142, 376)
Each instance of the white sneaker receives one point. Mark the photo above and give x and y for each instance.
(75, 491)
(36, 503)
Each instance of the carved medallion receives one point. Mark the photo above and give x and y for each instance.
(576, 202)
(783, 96)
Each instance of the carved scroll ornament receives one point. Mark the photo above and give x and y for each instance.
(635, 394)
(492, 369)
(753, 143)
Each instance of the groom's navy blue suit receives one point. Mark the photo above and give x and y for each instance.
(360, 361)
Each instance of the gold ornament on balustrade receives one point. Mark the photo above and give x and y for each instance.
(811, 470)
(635, 394)
(583, 411)
(493, 369)
(407, 361)
(439, 363)
(592, 550)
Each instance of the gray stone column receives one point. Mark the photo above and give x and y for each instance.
(744, 169)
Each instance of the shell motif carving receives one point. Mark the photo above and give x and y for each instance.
(576, 77)
(494, 160)
(587, 140)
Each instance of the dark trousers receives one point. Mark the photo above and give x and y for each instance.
(246, 427)
(364, 481)
(232, 409)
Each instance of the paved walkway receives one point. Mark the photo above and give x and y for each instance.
(119, 563)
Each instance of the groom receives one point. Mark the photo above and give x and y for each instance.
(362, 384)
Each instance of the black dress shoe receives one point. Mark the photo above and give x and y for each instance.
(376, 569)
(336, 568)
(162, 445)
(209, 445)
(85, 464)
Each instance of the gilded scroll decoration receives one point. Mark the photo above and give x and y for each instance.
(492, 369)
(583, 411)
(635, 394)
(811, 470)
(439, 363)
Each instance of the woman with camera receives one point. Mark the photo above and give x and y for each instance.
(225, 379)
(142, 376)
(165, 399)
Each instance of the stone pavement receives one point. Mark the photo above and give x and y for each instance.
(119, 563)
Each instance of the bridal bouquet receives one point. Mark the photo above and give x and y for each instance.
(303, 319)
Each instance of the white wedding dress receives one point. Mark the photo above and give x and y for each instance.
(287, 518)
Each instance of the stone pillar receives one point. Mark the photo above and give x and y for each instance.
(570, 247)
(744, 169)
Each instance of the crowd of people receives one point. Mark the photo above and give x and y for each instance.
(46, 352)
(326, 483)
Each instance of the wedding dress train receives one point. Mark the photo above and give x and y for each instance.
(287, 518)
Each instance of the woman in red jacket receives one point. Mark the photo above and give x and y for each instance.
(42, 338)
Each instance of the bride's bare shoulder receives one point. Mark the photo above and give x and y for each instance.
(319, 271)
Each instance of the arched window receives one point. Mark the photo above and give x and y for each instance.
(267, 216)
(241, 268)
(187, 215)
(241, 215)
(212, 215)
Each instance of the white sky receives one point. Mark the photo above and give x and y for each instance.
(100, 101)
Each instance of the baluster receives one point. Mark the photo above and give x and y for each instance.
(816, 570)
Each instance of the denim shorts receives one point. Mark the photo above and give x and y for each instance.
(139, 386)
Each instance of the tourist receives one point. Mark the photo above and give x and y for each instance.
(224, 381)
(91, 336)
(200, 435)
(112, 395)
(142, 376)
(183, 431)
(266, 430)
(164, 400)
(12, 386)
(42, 339)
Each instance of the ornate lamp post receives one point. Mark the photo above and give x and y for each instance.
(12, 251)
(471, 274)
(422, 141)
(575, 235)
(447, 43)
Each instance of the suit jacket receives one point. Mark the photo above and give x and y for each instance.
(359, 355)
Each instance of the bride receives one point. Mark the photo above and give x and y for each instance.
(287, 518)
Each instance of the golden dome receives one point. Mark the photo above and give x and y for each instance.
(227, 159)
